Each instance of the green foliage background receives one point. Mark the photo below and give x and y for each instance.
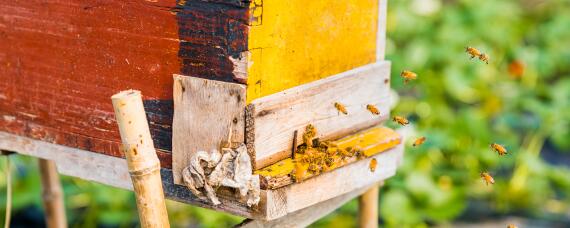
(461, 105)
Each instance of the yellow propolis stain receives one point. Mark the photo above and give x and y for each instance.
(293, 42)
(318, 157)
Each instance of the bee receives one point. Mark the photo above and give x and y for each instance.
(310, 133)
(401, 120)
(501, 150)
(341, 108)
(408, 76)
(300, 172)
(512, 226)
(473, 52)
(314, 168)
(419, 141)
(373, 164)
(487, 178)
(484, 57)
(373, 109)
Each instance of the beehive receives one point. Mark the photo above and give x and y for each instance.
(246, 64)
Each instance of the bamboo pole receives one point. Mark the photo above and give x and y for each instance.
(368, 208)
(142, 161)
(52, 195)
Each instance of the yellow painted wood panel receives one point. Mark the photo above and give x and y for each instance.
(293, 42)
(371, 141)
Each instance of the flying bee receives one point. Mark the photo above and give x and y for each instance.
(419, 141)
(341, 108)
(511, 226)
(373, 109)
(501, 150)
(408, 76)
(473, 52)
(400, 120)
(484, 57)
(373, 164)
(487, 178)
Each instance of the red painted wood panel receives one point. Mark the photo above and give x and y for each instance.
(61, 60)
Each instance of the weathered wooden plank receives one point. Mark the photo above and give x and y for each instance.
(112, 171)
(381, 31)
(294, 42)
(272, 120)
(306, 216)
(60, 61)
(274, 203)
(370, 142)
(205, 111)
(343, 180)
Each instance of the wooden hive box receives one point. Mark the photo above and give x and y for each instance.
(261, 70)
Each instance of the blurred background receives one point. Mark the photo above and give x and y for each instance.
(521, 100)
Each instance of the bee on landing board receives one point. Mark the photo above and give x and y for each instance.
(473, 52)
(373, 164)
(501, 150)
(341, 108)
(373, 109)
(400, 120)
(408, 76)
(419, 141)
(487, 178)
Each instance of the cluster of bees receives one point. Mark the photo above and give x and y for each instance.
(314, 156)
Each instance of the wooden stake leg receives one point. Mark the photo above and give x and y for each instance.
(52, 195)
(368, 208)
(142, 162)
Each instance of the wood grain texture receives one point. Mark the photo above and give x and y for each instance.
(60, 61)
(381, 31)
(113, 171)
(370, 141)
(340, 181)
(274, 204)
(205, 112)
(52, 195)
(306, 216)
(368, 208)
(274, 118)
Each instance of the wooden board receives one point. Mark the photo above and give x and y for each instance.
(370, 141)
(272, 120)
(295, 42)
(381, 31)
(205, 111)
(275, 203)
(306, 216)
(329, 185)
(61, 61)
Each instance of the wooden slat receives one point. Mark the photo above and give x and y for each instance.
(381, 31)
(306, 216)
(329, 185)
(272, 120)
(370, 141)
(275, 203)
(204, 113)
(60, 61)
